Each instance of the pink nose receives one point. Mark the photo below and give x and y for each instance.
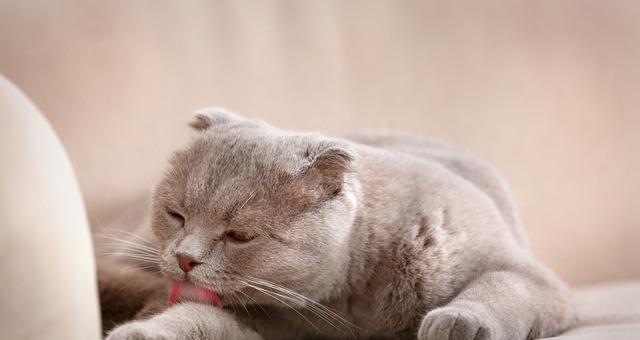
(186, 262)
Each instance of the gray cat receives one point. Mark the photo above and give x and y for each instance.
(276, 235)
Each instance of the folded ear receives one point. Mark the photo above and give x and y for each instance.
(212, 116)
(327, 165)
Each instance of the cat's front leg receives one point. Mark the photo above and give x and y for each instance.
(191, 321)
(502, 305)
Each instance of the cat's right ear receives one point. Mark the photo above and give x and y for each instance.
(326, 165)
(213, 116)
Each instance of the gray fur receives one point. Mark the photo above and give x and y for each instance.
(402, 236)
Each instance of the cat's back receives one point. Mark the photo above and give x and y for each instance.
(477, 172)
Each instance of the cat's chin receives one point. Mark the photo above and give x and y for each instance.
(183, 291)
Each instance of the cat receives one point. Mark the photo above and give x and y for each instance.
(378, 235)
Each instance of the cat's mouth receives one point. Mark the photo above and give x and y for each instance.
(182, 291)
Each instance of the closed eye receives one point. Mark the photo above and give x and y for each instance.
(239, 237)
(175, 216)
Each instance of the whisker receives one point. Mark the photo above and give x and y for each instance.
(251, 196)
(115, 246)
(244, 305)
(128, 246)
(255, 302)
(127, 251)
(137, 268)
(153, 269)
(132, 235)
(128, 242)
(313, 309)
(318, 308)
(271, 294)
(325, 313)
(298, 295)
(233, 305)
(283, 289)
(146, 259)
(147, 244)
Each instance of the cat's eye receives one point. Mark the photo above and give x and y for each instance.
(240, 237)
(175, 216)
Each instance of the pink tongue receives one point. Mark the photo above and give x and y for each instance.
(187, 291)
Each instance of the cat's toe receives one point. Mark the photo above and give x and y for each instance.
(449, 323)
(137, 331)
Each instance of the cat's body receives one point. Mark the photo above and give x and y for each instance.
(401, 236)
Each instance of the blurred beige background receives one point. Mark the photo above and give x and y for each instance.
(546, 90)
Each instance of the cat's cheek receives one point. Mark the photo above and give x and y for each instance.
(161, 232)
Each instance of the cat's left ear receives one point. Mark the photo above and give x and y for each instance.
(213, 116)
(327, 165)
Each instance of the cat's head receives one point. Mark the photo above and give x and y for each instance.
(247, 204)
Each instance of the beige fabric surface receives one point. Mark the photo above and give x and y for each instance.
(48, 282)
(608, 312)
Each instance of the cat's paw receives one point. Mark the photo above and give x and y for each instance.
(451, 323)
(139, 330)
